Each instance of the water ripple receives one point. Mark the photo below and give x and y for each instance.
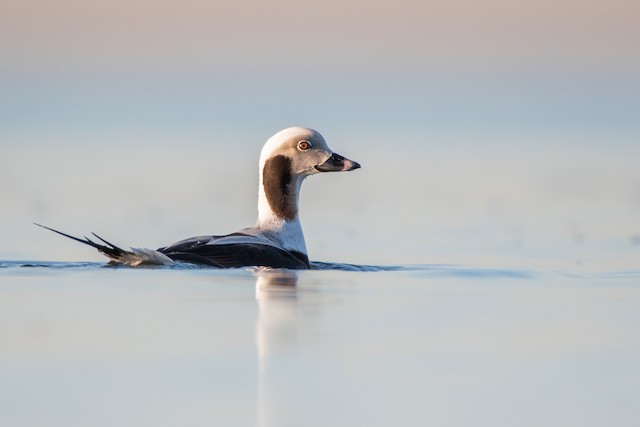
(425, 270)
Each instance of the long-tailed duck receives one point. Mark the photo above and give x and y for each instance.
(277, 241)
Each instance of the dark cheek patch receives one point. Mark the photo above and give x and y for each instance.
(276, 178)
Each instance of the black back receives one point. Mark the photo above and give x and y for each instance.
(231, 255)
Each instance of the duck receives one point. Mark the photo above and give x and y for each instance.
(277, 239)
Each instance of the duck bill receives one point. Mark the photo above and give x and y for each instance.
(337, 163)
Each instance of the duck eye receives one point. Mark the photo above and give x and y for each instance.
(304, 145)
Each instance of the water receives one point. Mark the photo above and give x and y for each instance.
(482, 267)
(87, 344)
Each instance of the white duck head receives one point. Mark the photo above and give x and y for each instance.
(287, 158)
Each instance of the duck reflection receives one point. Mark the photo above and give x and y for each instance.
(276, 293)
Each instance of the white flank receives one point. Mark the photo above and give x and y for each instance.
(146, 256)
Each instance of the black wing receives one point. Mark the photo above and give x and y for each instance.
(229, 255)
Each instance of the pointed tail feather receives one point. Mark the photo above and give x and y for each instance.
(117, 254)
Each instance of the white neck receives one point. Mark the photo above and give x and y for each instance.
(286, 233)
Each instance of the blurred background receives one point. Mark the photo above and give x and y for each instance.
(489, 131)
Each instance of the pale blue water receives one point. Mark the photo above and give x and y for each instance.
(88, 344)
(486, 257)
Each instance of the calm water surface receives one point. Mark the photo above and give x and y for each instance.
(84, 344)
(513, 172)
